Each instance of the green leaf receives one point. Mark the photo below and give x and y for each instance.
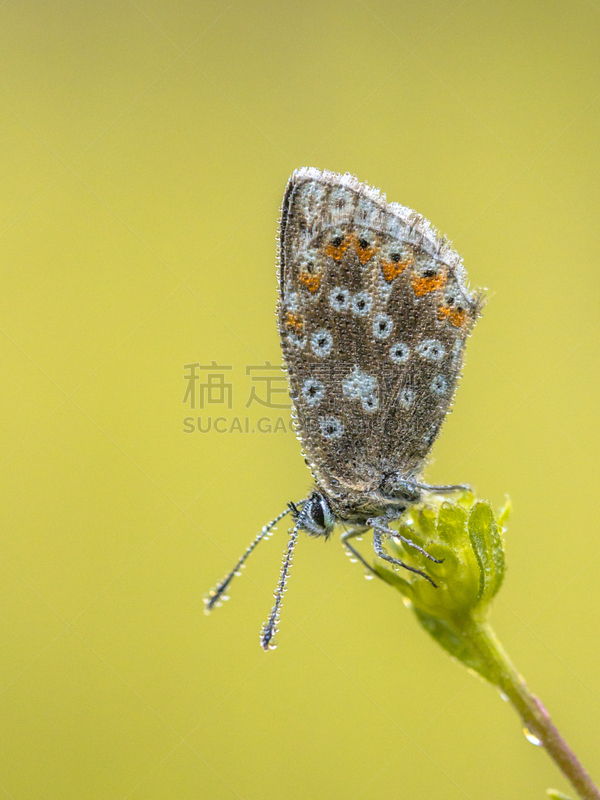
(451, 525)
(498, 558)
(425, 521)
(556, 795)
(413, 533)
(464, 499)
(488, 548)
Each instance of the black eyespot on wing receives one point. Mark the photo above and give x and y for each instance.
(363, 243)
(336, 241)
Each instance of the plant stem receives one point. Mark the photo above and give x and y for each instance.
(500, 671)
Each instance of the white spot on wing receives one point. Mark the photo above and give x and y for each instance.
(399, 353)
(313, 391)
(382, 326)
(295, 340)
(361, 304)
(321, 343)
(361, 386)
(331, 428)
(439, 385)
(431, 350)
(339, 299)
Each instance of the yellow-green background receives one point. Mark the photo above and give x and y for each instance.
(145, 147)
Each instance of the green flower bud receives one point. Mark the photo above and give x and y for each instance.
(468, 537)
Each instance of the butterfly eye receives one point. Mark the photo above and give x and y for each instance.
(316, 516)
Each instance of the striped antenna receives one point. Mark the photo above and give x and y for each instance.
(269, 629)
(217, 595)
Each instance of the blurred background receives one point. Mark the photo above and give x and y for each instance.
(145, 149)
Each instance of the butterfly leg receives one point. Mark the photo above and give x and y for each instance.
(392, 534)
(381, 552)
(350, 535)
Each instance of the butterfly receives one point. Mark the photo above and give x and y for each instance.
(374, 310)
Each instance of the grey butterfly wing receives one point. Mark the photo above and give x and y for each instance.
(373, 315)
(430, 313)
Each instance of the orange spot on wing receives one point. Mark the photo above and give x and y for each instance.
(312, 280)
(364, 253)
(336, 251)
(455, 317)
(294, 321)
(391, 269)
(423, 286)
